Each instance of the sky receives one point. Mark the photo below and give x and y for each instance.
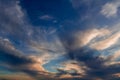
(59, 39)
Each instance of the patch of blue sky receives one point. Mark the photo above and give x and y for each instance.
(60, 9)
(2, 72)
(52, 65)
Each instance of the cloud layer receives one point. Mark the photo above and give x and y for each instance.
(81, 48)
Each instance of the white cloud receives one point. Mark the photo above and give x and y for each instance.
(106, 43)
(83, 38)
(110, 9)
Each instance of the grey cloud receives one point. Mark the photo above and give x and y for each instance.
(14, 23)
(12, 18)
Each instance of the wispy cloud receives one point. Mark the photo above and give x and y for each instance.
(83, 38)
(46, 17)
(101, 45)
(27, 47)
(27, 64)
(110, 9)
(17, 76)
(72, 69)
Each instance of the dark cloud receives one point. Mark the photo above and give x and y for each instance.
(15, 61)
(90, 57)
(95, 64)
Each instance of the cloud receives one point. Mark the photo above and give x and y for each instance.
(90, 53)
(17, 76)
(116, 55)
(72, 65)
(53, 46)
(117, 75)
(13, 20)
(11, 58)
(110, 9)
(76, 3)
(83, 38)
(106, 43)
(14, 25)
(85, 46)
(46, 17)
(15, 28)
(6, 44)
(39, 47)
(47, 51)
(91, 62)
(96, 65)
(71, 69)
(91, 57)
(113, 58)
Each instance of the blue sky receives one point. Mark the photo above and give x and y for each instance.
(60, 39)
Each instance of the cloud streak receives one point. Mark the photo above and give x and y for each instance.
(83, 38)
(101, 45)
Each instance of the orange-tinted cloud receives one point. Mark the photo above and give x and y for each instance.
(106, 43)
(83, 38)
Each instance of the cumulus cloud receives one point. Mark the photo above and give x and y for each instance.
(110, 9)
